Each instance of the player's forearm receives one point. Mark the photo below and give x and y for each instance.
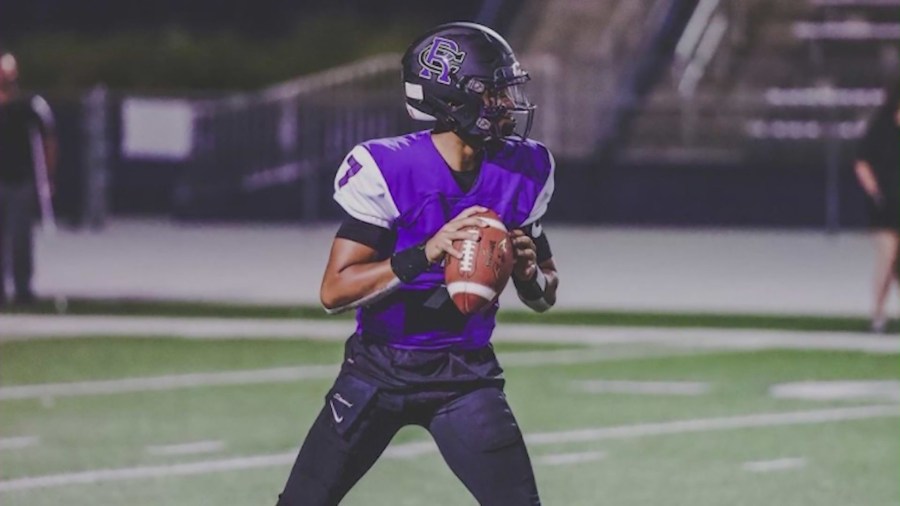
(355, 282)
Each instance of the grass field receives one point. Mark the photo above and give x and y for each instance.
(173, 421)
(141, 307)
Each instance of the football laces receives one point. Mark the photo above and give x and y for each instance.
(467, 262)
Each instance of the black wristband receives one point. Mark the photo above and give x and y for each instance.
(409, 263)
(531, 289)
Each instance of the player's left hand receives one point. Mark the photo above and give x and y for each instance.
(525, 254)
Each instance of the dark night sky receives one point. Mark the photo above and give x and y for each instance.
(252, 17)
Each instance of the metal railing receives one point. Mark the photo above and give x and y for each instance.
(291, 133)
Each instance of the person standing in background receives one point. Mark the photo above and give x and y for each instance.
(414, 358)
(27, 158)
(878, 171)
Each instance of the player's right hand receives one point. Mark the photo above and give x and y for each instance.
(441, 243)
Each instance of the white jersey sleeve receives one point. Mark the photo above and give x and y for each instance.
(360, 188)
(543, 199)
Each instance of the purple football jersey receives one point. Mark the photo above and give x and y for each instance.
(403, 183)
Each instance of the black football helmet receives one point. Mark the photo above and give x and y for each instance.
(465, 76)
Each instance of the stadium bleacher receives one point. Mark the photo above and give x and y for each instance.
(745, 80)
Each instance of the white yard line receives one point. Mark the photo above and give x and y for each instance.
(765, 466)
(739, 339)
(27, 327)
(15, 443)
(564, 459)
(873, 391)
(186, 448)
(712, 424)
(30, 327)
(170, 382)
(425, 447)
(404, 451)
(128, 473)
(590, 355)
(291, 374)
(672, 342)
(642, 387)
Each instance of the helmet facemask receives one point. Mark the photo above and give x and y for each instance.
(503, 107)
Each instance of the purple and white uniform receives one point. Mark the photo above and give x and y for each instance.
(403, 184)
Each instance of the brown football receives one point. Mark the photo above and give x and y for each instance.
(478, 278)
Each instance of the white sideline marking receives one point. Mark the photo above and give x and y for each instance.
(424, 447)
(562, 459)
(29, 327)
(127, 473)
(765, 466)
(711, 424)
(643, 387)
(288, 374)
(720, 339)
(171, 382)
(15, 443)
(838, 390)
(186, 448)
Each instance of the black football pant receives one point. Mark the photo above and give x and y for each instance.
(475, 432)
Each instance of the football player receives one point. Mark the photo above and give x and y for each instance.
(414, 358)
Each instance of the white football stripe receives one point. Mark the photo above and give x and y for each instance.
(470, 287)
(493, 223)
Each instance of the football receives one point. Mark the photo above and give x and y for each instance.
(478, 278)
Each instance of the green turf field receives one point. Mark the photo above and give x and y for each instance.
(93, 421)
(139, 307)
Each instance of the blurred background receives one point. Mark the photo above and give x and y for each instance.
(740, 113)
